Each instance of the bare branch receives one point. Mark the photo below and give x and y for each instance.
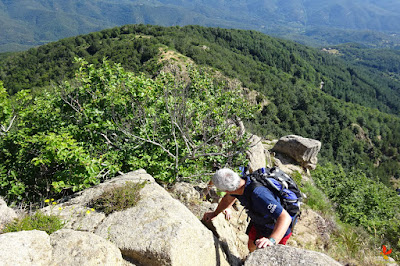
(149, 141)
(78, 110)
(6, 129)
(188, 143)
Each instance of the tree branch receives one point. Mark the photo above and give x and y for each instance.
(6, 129)
(149, 141)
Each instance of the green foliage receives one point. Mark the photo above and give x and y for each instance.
(40, 156)
(36, 221)
(118, 198)
(297, 177)
(166, 126)
(354, 246)
(362, 201)
(349, 244)
(286, 73)
(6, 111)
(107, 119)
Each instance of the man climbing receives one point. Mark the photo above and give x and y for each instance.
(270, 222)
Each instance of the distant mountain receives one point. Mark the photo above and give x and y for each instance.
(27, 23)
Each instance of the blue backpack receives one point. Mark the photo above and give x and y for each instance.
(282, 185)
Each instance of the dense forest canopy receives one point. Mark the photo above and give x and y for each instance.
(354, 114)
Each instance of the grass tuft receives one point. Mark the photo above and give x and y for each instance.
(37, 221)
(118, 198)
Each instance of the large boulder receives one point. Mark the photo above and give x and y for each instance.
(83, 248)
(6, 214)
(25, 248)
(301, 149)
(227, 235)
(64, 247)
(286, 255)
(75, 209)
(160, 230)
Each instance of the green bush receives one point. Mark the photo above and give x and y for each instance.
(118, 198)
(360, 201)
(37, 221)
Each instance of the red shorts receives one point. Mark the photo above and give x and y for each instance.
(253, 235)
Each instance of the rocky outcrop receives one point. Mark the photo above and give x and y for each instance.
(312, 230)
(6, 214)
(75, 210)
(303, 150)
(71, 247)
(64, 247)
(25, 248)
(227, 235)
(286, 255)
(185, 192)
(159, 230)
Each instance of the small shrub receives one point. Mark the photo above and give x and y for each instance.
(118, 198)
(37, 221)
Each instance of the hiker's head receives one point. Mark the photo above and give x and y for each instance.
(227, 180)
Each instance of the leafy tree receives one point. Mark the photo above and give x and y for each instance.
(174, 128)
(107, 119)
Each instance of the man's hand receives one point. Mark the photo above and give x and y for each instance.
(228, 213)
(208, 216)
(263, 242)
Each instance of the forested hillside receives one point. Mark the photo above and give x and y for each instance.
(79, 110)
(381, 61)
(288, 74)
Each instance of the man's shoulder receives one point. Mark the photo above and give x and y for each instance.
(257, 189)
(262, 190)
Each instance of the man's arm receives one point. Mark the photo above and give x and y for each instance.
(226, 202)
(282, 224)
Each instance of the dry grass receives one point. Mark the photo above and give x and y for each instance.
(118, 198)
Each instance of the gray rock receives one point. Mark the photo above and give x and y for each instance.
(256, 154)
(286, 255)
(185, 192)
(6, 214)
(386, 262)
(82, 248)
(25, 248)
(75, 210)
(160, 230)
(303, 150)
(226, 234)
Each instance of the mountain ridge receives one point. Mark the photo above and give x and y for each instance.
(38, 22)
